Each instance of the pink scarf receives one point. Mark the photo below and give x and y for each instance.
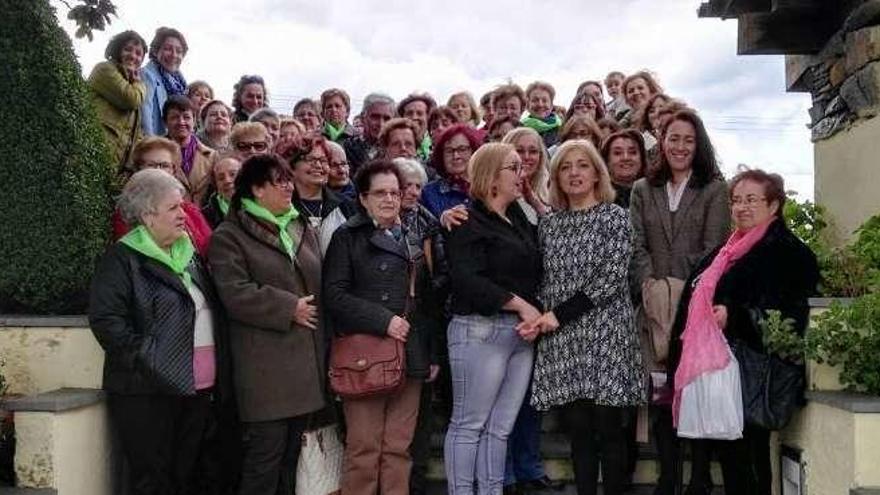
(704, 347)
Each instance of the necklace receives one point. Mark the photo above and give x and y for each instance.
(313, 210)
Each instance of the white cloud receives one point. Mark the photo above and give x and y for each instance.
(397, 46)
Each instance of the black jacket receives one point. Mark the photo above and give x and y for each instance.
(779, 272)
(143, 317)
(490, 260)
(365, 284)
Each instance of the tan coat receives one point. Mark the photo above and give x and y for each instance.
(118, 102)
(278, 367)
(199, 179)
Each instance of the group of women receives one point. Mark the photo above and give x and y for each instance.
(518, 260)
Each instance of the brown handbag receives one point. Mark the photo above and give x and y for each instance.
(364, 365)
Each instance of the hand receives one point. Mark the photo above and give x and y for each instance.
(547, 322)
(398, 328)
(453, 217)
(532, 199)
(433, 371)
(719, 311)
(306, 313)
(133, 74)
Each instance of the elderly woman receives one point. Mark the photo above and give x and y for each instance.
(118, 93)
(271, 120)
(162, 78)
(368, 289)
(465, 108)
(249, 95)
(508, 100)
(216, 125)
(541, 116)
(624, 152)
(163, 154)
(223, 175)
(397, 139)
(761, 267)
(535, 160)
(248, 139)
(495, 270)
(266, 265)
(339, 174)
(196, 158)
(335, 108)
(308, 113)
(447, 196)
(680, 213)
(154, 313)
(324, 210)
(417, 107)
(588, 362)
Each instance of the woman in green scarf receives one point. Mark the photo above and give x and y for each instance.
(153, 311)
(335, 107)
(223, 174)
(266, 264)
(541, 117)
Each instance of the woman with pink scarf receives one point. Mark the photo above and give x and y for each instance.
(761, 267)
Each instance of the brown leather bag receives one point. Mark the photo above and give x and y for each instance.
(364, 365)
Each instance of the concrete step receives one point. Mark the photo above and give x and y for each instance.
(439, 488)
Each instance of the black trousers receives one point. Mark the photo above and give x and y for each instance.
(271, 452)
(745, 463)
(420, 448)
(162, 438)
(597, 433)
(667, 449)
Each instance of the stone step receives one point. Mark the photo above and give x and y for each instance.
(439, 488)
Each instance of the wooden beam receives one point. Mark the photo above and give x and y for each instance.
(727, 9)
(797, 73)
(782, 34)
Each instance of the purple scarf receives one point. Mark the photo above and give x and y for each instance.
(188, 154)
(174, 82)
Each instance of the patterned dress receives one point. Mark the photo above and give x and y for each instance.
(595, 356)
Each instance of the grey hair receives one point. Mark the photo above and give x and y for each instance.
(334, 146)
(142, 193)
(264, 113)
(411, 168)
(376, 99)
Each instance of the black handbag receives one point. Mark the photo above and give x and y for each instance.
(772, 388)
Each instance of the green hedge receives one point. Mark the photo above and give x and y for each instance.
(55, 173)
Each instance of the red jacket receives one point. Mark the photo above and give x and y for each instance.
(196, 225)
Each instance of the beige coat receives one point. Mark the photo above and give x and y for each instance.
(118, 102)
(278, 366)
(198, 181)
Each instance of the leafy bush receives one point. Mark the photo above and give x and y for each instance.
(55, 169)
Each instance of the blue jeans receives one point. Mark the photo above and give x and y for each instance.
(524, 446)
(491, 367)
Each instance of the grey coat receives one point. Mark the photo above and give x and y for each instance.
(671, 245)
(278, 366)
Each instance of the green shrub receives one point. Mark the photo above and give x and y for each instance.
(55, 172)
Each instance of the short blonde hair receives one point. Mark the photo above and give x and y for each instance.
(541, 85)
(484, 166)
(538, 181)
(151, 143)
(243, 131)
(604, 190)
(475, 110)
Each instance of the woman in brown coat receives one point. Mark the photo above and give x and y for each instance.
(267, 268)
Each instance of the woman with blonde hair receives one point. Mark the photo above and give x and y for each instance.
(465, 108)
(495, 270)
(530, 148)
(588, 362)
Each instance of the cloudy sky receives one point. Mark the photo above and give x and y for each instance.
(400, 46)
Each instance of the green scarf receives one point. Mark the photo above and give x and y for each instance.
(424, 150)
(282, 221)
(181, 255)
(223, 204)
(543, 125)
(332, 132)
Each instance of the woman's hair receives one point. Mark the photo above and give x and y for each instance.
(151, 143)
(499, 121)
(604, 191)
(113, 52)
(307, 102)
(294, 151)
(484, 166)
(583, 86)
(609, 123)
(475, 110)
(411, 168)
(142, 193)
(207, 107)
(257, 171)
(465, 130)
(571, 123)
(286, 121)
(393, 125)
(333, 92)
(439, 113)
(177, 102)
(364, 178)
(159, 38)
(650, 81)
(247, 131)
(425, 98)
(264, 114)
(486, 99)
(507, 91)
(541, 85)
(238, 89)
(600, 106)
(641, 120)
(773, 184)
(193, 86)
(632, 135)
(705, 165)
(538, 181)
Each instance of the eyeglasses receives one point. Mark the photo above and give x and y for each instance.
(515, 168)
(258, 146)
(158, 165)
(315, 160)
(748, 201)
(461, 150)
(382, 194)
(340, 164)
